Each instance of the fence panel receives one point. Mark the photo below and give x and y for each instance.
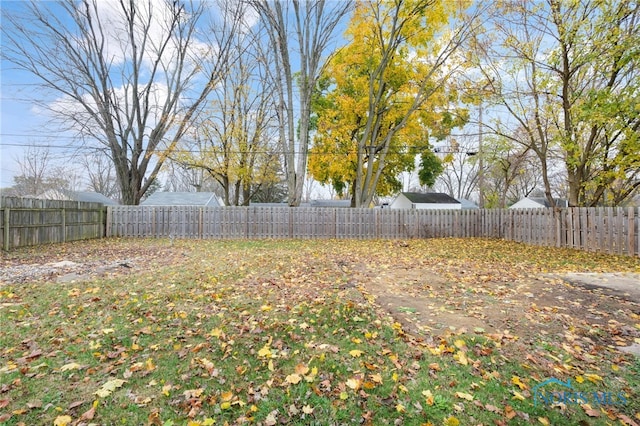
(608, 230)
(29, 221)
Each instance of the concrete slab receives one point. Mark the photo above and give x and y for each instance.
(633, 349)
(622, 284)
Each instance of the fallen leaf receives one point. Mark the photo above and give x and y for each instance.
(593, 378)
(88, 415)
(301, 369)
(451, 421)
(518, 395)
(62, 421)
(271, 419)
(75, 404)
(492, 408)
(34, 404)
(592, 412)
(461, 357)
(70, 366)
(516, 381)
(463, 395)
(353, 383)
(265, 352)
(376, 377)
(107, 388)
(294, 378)
(509, 412)
(627, 420)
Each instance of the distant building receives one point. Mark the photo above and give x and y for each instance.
(204, 199)
(330, 203)
(83, 196)
(538, 203)
(425, 201)
(467, 205)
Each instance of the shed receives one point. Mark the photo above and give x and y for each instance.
(425, 201)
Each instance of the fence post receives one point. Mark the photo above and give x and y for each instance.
(64, 226)
(7, 213)
(101, 217)
(631, 229)
(107, 225)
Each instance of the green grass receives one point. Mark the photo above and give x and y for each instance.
(263, 331)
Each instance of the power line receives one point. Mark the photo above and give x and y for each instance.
(402, 150)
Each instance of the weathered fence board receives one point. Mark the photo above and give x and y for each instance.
(606, 230)
(29, 221)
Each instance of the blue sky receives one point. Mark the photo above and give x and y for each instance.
(21, 122)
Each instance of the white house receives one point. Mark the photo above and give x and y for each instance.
(538, 203)
(206, 199)
(425, 201)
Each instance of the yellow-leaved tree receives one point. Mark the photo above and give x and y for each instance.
(386, 93)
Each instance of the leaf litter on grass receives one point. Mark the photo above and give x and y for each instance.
(344, 332)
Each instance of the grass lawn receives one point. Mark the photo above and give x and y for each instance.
(295, 332)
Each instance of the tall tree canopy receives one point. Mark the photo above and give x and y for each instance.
(567, 74)
(389, 93)
(300, 33)
(233, 140)
(123, 72)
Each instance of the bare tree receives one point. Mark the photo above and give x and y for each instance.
(314, 23)
(511, 172)
(124, 72)
(39, 173)
(101, 175)
(460, 177)
(234, 138)
(567, 74)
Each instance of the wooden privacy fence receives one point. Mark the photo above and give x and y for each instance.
(28, 221)
(608, 230)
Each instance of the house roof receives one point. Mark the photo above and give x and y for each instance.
(95, 197)
(207, 199)
(466, 204)
(430, 198)
(330, 203)
(560, 202)
(83, 196)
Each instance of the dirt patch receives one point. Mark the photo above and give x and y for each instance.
(83, 261)
(433, 300)
(409, 297)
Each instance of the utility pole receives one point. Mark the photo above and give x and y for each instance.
(480, 162)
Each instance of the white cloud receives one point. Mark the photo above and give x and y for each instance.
(152, 29)
(68, 107)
